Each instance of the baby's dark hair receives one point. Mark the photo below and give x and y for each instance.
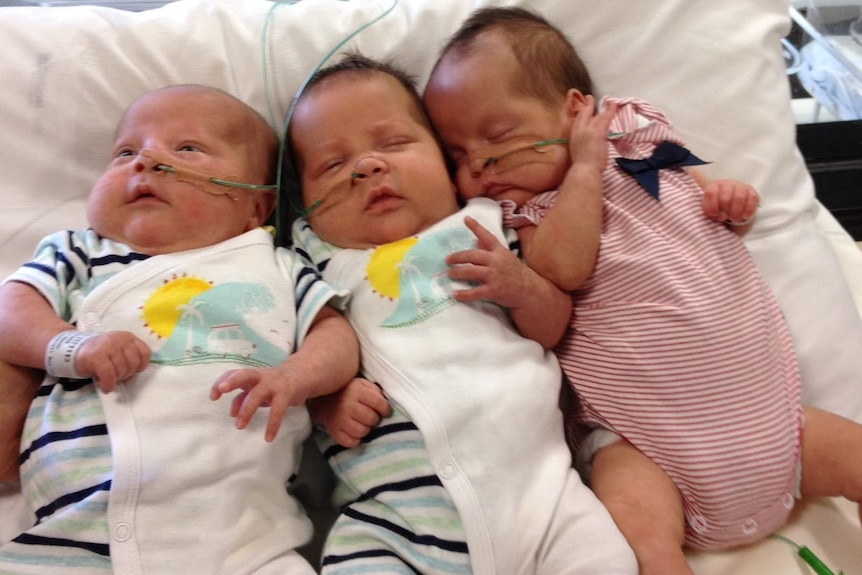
(355, 63)
(550, 65)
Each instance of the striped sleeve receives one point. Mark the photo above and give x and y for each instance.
(311, 291)
(56, 270)
(309, 245)
(69, 264)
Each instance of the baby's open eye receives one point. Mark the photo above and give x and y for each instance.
(125, 153)
(188, 148)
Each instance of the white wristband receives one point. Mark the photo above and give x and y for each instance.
(61, 351)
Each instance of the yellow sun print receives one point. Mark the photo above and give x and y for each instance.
(382, 269)
(165, 305)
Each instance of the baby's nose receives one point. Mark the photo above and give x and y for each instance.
(144, 162)
(479, 165)
(369, 165)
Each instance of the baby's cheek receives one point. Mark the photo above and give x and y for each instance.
(467, 187)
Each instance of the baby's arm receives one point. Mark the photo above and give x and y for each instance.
(325, 362)
(565, 244)
(18, 386)
(30, 324)
(350, 413)
(728, 201)
(539, 309)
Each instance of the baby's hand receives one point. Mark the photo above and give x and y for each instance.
(350, 413)
(500, 276)
(729, 201)
(261, 387)
(589, 135)
(111, 357)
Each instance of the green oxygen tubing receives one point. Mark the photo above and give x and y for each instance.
(808, 556)
(280, 194)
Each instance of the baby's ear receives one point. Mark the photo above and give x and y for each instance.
(264, 204)
(574, 102)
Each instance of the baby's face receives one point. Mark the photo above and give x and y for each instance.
(155, 210)
(372, 172)
(489, 129)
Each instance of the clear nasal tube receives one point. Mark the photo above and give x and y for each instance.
(217, 186)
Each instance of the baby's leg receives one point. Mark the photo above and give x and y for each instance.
(831, 456)
(396, 517)
(646, 506)
(18, 386)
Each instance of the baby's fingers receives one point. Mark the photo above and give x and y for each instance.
(232, 380)
(136, 358)
(236, 404)
(744, 206)
(119, 366)
(256, 398)
(246, 407)
(348, 429)
(112, 357)
(603, 121)
(729, 201)
(467, 257)
(276, 415)
(608, 112)
(346, 439)
(376, 401)
(485, 239)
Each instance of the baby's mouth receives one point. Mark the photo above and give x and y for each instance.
(381, 199)
(144, 193)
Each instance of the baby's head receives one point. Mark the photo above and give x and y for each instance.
(369, 167)
(157, 194)
(506, 80)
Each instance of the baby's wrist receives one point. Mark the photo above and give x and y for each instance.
(582, 171)
(62, 351)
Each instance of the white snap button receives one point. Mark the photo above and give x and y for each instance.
(122, 531)
(90, 317)
(789, 500)
(447, 471)
(749, 527)
(699, 524)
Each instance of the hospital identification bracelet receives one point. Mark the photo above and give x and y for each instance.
(61, 351)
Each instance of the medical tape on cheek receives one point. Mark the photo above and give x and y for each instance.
(188, 175)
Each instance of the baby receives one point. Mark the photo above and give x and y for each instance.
(677, 350)
(173, 296)
(474, 475)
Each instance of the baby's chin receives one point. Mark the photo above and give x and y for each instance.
(370, 233)
(380, 236)
(153, 240)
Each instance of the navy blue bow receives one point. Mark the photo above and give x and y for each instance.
(666, 155)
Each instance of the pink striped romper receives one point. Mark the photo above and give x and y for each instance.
(677, 344)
